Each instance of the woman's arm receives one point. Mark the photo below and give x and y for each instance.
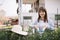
(50, 24)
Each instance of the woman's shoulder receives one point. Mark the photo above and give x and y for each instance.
(50, 19)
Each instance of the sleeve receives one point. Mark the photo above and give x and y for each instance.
(50, 24)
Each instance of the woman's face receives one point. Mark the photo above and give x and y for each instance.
(42, 14)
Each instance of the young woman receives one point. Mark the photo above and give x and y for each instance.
(43, 21)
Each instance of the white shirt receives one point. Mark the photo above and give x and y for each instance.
(41, 24)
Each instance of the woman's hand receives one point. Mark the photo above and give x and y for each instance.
(36, 27)
(44, 27)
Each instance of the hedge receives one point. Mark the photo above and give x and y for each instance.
(47, 35)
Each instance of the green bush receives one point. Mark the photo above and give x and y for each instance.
(47, 35)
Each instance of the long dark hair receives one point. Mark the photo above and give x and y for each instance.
(43, 10)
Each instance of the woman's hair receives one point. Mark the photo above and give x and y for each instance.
(43, 10)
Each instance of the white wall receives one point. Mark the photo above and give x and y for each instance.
(51, 6)
(10, 7)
